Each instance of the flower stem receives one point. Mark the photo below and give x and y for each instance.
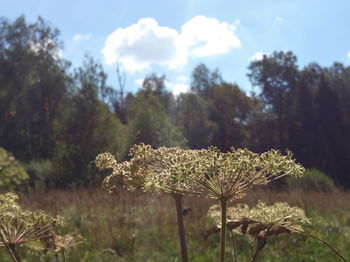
(326, 244)
(223, 202)
(8, 248)
(261, 242)
(64, 256)
(234, 250)
(14, 253)
(180, 224)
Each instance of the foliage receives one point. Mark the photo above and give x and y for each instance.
(149, 123)
(39, 173)
(193, 117)
(313, 179)
(33, 82)
(94, 127)
(11, 172)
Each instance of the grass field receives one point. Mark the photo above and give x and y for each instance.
(141, 227)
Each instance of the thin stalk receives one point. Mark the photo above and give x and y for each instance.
(223, 202)
(64, 256)
(8, 248)
(259, 246)
(325, 243)
(234, 247)
(180, 224)
(14, 254)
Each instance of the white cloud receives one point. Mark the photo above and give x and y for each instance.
(145, 43)
(139, 81)
(81, 37)
(257, 56)
(178, 88)
(348, 54)
(208, 36)
(138, 46)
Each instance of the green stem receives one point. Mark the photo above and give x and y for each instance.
(261, 242)
(180, 224)
(234, 247)
(64, 256)
(8, 248)
(223, 202)
(326, 244)
(14, 253)
(11, 253)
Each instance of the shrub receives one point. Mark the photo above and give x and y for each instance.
(313, 179)
(11, 172)
(39, 172)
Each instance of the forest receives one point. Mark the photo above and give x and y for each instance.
(54, 119)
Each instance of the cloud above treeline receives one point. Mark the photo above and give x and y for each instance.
(146, 43)
(258, 56)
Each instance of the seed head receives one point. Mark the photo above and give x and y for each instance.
(18, 226)
(261, 220)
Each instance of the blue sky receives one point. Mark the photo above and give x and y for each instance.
(172, 37)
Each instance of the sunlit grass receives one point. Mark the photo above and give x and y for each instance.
(142, 227)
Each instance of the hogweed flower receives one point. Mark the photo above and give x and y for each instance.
(210, 173)
(230, 175)
(58, 243)
(263, 221)
(18, 226)
(8, 201)
(164, 170)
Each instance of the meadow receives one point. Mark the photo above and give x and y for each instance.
(135, 226)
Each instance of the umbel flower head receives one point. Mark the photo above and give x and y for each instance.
(8, 201)
(206, 172)
(230, 175)
(60, 243)
(262, 220)
(127, 175)
(164, 169)
(18, 226)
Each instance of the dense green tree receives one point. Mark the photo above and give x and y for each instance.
(204, 81)
(87, 129)
(330, 126)
(193, 117)
(304, 138)
(231, 112)
(149, 123)
(277, 76)
(156, 85)
(33, 83)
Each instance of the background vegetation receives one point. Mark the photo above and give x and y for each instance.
(55, 119)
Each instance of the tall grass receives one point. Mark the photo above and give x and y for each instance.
(142, 227)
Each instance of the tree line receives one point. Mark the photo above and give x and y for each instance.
(55, 119)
